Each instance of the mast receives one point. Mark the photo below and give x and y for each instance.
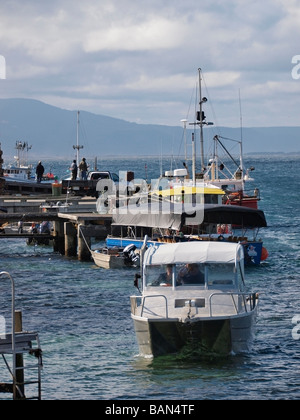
(22, 149)
(184, 121)
(194, 159)
(77, 147)
(201, 121)
(241, 143)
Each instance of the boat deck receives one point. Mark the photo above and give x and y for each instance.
(165, 304)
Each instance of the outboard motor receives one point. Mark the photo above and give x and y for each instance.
(130, 256)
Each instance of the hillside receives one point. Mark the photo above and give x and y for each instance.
(52, 133)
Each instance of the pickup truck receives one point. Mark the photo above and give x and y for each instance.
(88, 187)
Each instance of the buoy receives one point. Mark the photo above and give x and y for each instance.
(264, 254)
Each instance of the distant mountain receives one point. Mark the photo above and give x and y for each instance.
(52, 133)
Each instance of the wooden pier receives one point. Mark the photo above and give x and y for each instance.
(72, 230)
(73, 233)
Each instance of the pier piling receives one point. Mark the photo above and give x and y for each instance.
(70, 234)
(84, 244)
(58, 237)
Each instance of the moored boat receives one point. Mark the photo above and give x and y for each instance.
(193, 300)
(222, 169)
(116, 257)
(169, 222)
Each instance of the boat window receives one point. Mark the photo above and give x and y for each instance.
(115, 177)
(159, 275)
(211, 199)
(190, 274)
(220, 274)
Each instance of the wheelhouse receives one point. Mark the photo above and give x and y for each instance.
(194, 265)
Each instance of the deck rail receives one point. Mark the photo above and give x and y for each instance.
(143, 299)
(247, 302)
(241, 302)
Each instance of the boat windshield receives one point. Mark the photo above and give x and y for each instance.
(180, 275)
(159, 275)
(208, 274)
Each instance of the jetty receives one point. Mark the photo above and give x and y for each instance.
(75, 221)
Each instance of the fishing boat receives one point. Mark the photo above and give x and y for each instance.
(167, 222)
(20, 171)
(194, 300)
(18, 176)
(175, 186)
(231, 181)
(222, 169)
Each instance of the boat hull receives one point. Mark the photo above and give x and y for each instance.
(221, 336)
(108, 261)
(253, 249)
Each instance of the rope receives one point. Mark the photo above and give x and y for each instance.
(84, 239)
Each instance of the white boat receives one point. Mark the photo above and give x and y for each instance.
(18, 177)
(193, 300)
(108, 258)
(116, 257)
(21, 171)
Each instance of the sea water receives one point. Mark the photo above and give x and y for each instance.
(82, 312)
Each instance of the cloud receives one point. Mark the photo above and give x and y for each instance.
(138, 60)
(150, 35)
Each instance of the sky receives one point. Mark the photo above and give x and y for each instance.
(138, 60)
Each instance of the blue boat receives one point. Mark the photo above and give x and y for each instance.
(206, 222)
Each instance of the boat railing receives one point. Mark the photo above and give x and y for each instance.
(241, 302)
(143, 300)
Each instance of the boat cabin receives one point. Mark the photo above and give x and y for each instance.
(17, 173)
(200, 265)
(177, 188)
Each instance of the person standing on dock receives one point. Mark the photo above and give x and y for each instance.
(74, 170)
(39, 172)
(83, 169)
